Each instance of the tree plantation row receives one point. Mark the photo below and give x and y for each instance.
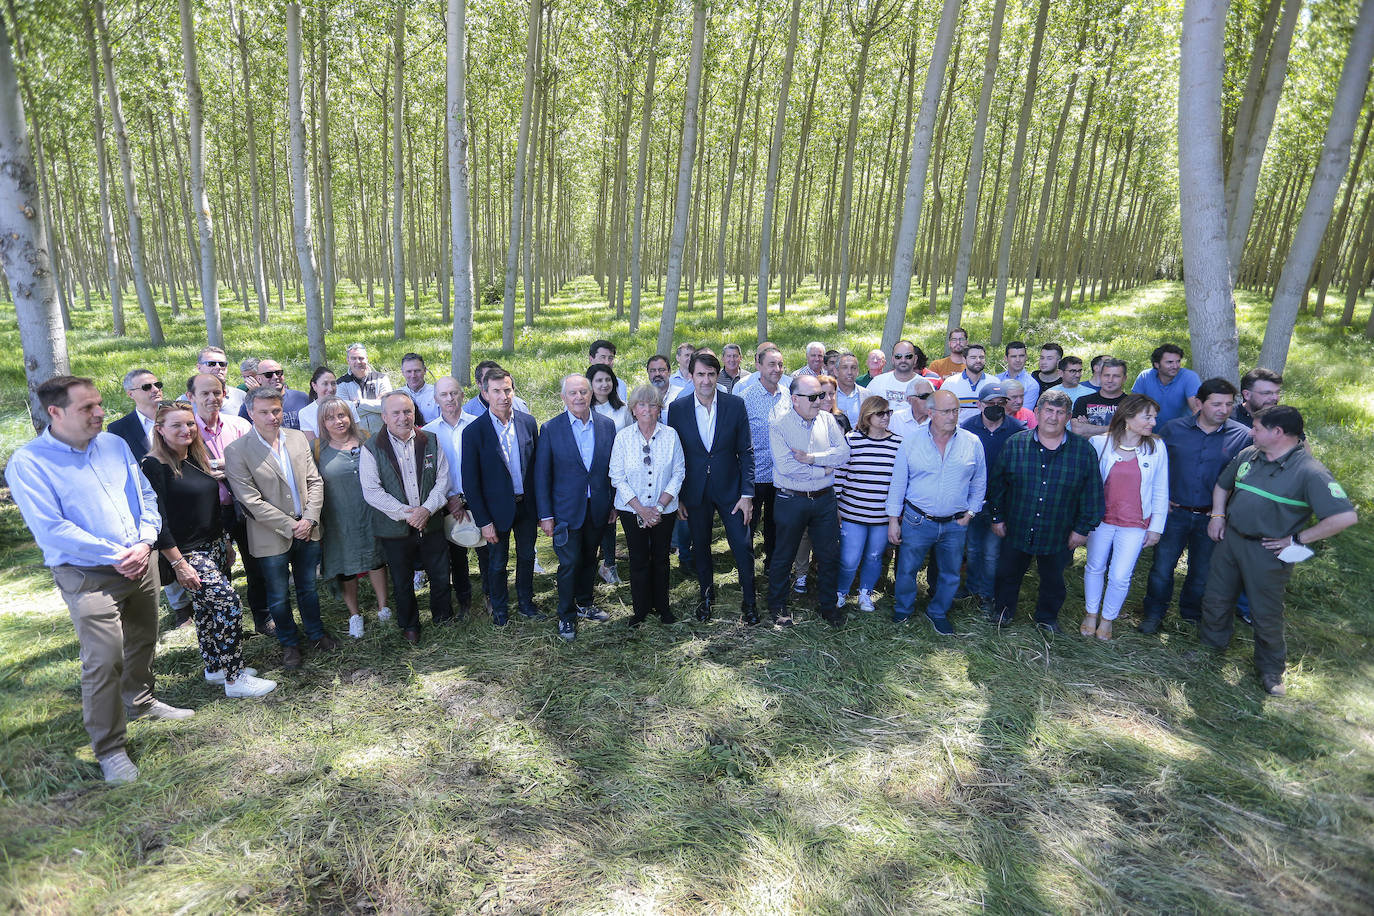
(188, 151)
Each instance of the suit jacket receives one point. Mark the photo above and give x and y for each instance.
(130, 428)
(486, 482)
(726, 472)
(561, 483)
(261, 491)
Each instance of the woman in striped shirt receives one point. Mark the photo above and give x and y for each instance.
(862, 489)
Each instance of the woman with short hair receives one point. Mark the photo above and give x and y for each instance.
(348, 548)
(647, 469)
(193, 544)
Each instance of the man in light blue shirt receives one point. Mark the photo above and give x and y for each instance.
(1016, 371)
(1071, 368)
(95, 517)
(1173, 387)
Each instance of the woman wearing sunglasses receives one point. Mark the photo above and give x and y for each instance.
(194, 544)
(348, 548)
(647, 468)
(861, 486)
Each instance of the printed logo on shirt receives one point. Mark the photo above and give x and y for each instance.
(1336, 490)
(1243, 471)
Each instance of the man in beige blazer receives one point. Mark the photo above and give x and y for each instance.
(275, 481)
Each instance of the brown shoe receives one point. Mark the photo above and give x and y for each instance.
(325, 643)
(291, 658)
(1089, 626)
(1104, 630)
(412, 636)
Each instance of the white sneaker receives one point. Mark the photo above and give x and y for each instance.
(355, 627)
(539, 567)
(800, 585)
(383, 613)
(217, 677)
(118, 768)
(420, 579)
(840, 599)
(249, 686)
(160, 710)
(608, 575)
(865, 601)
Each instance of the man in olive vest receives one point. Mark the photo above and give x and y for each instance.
(404, 475)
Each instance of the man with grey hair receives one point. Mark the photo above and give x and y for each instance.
(572, 488)
(214, 361)
(815, 360)
(873, 366)
(405, 479)
(363, 387)
(915, 413)
(248, 371)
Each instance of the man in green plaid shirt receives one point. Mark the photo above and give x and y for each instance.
(1045, 495)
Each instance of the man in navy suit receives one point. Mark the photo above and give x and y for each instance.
(498, 483)
(136, 427)
(572, 486)
(714, 430)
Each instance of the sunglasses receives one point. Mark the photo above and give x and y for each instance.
(904, 356)
(148, 386)
(923, 395)
(275, 373)
(882, 413)
(215, 363)
(813, 398)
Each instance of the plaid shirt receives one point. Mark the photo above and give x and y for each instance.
(1044, 494)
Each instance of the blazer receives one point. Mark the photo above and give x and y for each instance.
(486, 482)
(1154, 478)
(261, 491)
(728, 467)
(130, 428)
(564, 490)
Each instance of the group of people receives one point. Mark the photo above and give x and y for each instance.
(974, 476)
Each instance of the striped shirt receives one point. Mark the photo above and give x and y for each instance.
(863, 482)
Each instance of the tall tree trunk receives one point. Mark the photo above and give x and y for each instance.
(741, 102)
(132, 212)
(300, 190)
(328, 268)
(770, 186)
(24, 244)
(102, 160)
(682, 208)
(461, 363)
(254, 185)
(1202, 189)
(1014, 178)
(517, 201)
(209, 290)
(1336, 233)
(904, 257)
(1321, 196)
(790, 227)
(398, 257)
(641, 171)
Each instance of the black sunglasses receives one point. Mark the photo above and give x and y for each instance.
(923, 395)
(275, 373)
(215, 363)
(882, 413)
(149, 386)
(813, 398)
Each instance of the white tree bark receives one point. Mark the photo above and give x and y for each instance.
(209, 291)
(132, 211)
(916, 178)
(682, 207)
(517, 201)
(102, 160)
(770, 187)
(254, 184)
(1202, 192)
(1321, 196)
(398, 127)
(458, 190)
(641, 178)
(300, 190)
(24, 243)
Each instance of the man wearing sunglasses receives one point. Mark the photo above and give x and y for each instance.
(136, 426)
(292, 401)
(214, 361)
(906, 420)
(892, 385)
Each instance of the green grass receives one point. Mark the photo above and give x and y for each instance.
(712, 768)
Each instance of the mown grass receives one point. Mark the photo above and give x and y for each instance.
(712, 768)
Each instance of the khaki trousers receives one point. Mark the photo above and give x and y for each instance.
(116, 625)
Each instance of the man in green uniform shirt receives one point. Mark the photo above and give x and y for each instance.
(1260, 508)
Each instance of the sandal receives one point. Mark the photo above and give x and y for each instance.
(1089, 626)
(1104, 630)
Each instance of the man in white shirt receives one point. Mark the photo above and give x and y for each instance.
(892, 385)
(913, 411)
(448, 428)
(849, 395)
(421, 392)
(405, 479)
(967, 383)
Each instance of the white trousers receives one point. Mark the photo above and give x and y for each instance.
(1112, 553)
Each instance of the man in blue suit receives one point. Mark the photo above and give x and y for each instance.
(136, 427)
(572, 486)
(714, 430)
(498, 484)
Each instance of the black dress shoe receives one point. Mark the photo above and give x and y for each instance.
(533, 613)
(412, 636)
(703, 610)
(749, 615)
(1049, 626)
(500, 618)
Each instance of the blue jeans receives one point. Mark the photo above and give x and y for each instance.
(298, 563)
(861, 550)
(983, 547)
(1183, 530)
(919, 537)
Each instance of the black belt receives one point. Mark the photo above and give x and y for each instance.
(1248, 537)
(806, 494)
(937, 519)
(1196, 510)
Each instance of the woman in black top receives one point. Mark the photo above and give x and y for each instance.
(193, 544)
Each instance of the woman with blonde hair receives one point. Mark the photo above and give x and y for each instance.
(194, 545)
(861, 487)
(1135, 487)
(348, 547)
